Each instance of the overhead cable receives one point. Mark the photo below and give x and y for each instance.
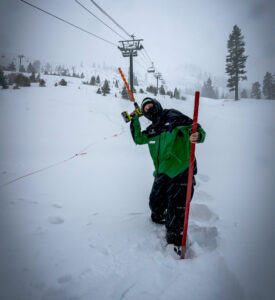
(69, 23)
(106, 14)
(98, 18)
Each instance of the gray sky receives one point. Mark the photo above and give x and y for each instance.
(175, 32)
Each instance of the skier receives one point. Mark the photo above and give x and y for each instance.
(169, 139)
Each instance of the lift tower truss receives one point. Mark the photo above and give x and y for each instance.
(130, 48)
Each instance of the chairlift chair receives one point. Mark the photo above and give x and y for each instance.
(151, 69)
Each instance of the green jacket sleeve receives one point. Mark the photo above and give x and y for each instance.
(138, 137)
(201, 132)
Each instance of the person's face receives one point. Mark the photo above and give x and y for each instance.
(148, 106)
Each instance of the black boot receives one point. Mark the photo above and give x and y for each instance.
(159, 219)
(173, 238)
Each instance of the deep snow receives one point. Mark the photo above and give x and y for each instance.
(81, 228)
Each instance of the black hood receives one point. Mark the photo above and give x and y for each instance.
(154, 113)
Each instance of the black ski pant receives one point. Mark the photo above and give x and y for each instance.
(170, 194)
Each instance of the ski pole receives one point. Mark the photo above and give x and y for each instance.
(125, 115)
(190, 176)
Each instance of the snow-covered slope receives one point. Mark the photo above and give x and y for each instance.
(79, 227)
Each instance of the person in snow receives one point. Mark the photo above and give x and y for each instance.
(169, 139)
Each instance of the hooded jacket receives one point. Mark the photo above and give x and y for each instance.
(168, 141)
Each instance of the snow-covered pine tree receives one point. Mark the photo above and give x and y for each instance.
(244, 94)
(105, 88)
(235, 60)
(98, 91)
(256, 90)
(267, 85)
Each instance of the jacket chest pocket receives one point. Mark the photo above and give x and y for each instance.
(153, 147)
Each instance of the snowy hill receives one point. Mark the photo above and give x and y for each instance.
(78, 226)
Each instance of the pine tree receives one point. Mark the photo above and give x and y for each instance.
(217, 96)
(48, 68)
(244, 94)
(32, 77)
(176, 93)
(63, 82)
(169, 93)
(98, 91)
(93, 80)
(3, 81)
(267, 85)
(124, 93)
(36, 66)
(116, 84)
(256, 90)
(105, 88)
(273, 88)
(162, 90)
(141, 91)
(235, 60)
(208, 90)
(82, 75)
(30, 68)
(97, 79)
(42, 83)
(151, 89)
(22, 69)
(11, 67)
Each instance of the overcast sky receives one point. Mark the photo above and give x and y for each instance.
(175, 32)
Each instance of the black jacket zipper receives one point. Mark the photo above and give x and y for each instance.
(158, 155)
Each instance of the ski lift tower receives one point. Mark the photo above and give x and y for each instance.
(158, 76)
(129, 48)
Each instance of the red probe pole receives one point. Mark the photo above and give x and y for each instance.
(190, 177)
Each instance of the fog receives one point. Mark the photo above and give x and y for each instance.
(175, 33)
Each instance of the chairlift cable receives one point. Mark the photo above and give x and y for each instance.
(69, 23)
(147, 54)
(145, 57)
(106, 14)
(98, 18)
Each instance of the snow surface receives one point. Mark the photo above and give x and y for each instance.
(80, 228)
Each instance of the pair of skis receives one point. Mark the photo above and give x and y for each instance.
(181, 250)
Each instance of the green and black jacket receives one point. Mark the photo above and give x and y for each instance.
(168, 141)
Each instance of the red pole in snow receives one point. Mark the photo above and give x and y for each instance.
(190, 177)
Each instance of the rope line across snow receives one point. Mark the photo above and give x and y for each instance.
(58, 163)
